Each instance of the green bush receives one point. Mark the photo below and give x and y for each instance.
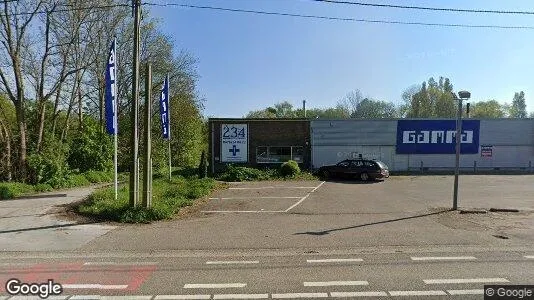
(98, 176)
(168, 198)
(10, 190)
(289, 168)
(91, 149)
(50, 165)
(234, 173)
(43, 187)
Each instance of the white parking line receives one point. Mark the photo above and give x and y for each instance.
(444, 258)
(336, 283)
(314, 189)
(299, 295)
(529, 256)
(271, 187)
(241, 296)
(96, 286)
(357, 294)
(241, 211)
(417, 293)
(214, 285)
(466, 292)
(334, 260)
(232, 262)
(465, 280)
(181, 297)
(253, 197)
(84, 297)
(113, 263)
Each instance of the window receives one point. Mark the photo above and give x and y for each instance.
(265, 154)
(357, 163)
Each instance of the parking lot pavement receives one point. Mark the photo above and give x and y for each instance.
(401, 211)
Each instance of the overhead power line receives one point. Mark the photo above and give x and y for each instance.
(262, 12)
(68, 9)
(511, 12)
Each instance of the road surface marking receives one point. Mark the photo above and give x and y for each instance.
(179, 297)
(271, 187)
(241, 296)
(95, 286)
(231, 262)
(252, 197)
(466, 280)
(315, 188)
(131, 297)
(357, 294)
(529, 256)
(242, 211)
(304, 198)
(417, 293)
(443, 258)
(334, 260)
(466, 292)
(85, 297)
(113, 263)
(336, 283)
(299, 295)
(62, 297)
(214, 285)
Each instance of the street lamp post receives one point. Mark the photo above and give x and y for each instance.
(461, 95)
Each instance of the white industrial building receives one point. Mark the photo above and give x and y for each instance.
(413, 144)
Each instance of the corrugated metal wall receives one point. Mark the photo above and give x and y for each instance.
(333, 141)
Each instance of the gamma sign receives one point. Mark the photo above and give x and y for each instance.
(234, 143)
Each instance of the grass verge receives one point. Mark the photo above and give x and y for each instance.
(168, 198)
(9, 190)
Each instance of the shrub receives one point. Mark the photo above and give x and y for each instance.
(10, 190)
(43, 187)
(203, 166)
(98, 176)
(289, 168)
(234, 173)
(91, 149)
(50, 165)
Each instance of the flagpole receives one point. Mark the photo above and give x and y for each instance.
(115, 123)
(169, 124)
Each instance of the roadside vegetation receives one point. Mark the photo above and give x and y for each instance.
(167, 200)
(287, 171)
(9, 190)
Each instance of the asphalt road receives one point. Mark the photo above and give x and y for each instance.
(357, 274)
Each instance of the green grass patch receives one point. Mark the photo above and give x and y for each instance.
(10, 190)
(168, 198)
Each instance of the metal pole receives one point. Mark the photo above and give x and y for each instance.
(169, 124)
(304, 107)
(170, 160)
(115, 126)
(147, 187)
(134, 114)
(458, 140)
(212, 148)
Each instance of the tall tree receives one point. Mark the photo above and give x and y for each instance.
(433, 100)
(487, 109)
(519, 107)
(374, 109)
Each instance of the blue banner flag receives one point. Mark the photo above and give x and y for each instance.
(164, 109)
(111, 92)
(436, 137)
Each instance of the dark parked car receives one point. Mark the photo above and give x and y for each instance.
(356, 168)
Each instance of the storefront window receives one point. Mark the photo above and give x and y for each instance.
(277, 154)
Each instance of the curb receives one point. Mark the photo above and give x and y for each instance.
(504, 210)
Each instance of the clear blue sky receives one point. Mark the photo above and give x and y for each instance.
(248, 62)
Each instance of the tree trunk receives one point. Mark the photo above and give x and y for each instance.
(69, 110)
(101, 98)
(5, 134)
(23, 160)
(42, 113)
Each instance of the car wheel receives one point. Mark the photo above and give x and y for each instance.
(364, 176)
(325, 174)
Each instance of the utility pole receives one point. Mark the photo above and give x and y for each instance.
(304, 107)
(147, 174)
(134, 113)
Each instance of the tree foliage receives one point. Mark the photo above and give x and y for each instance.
(487, 109)
(518, 108)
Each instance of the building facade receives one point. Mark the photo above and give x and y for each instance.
(403, 144)
(259, 142)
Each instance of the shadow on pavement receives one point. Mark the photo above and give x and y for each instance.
(46, 227)
(328, 231)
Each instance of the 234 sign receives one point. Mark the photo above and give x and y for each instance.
(234, 132)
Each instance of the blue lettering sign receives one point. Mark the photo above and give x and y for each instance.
(436, 136)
